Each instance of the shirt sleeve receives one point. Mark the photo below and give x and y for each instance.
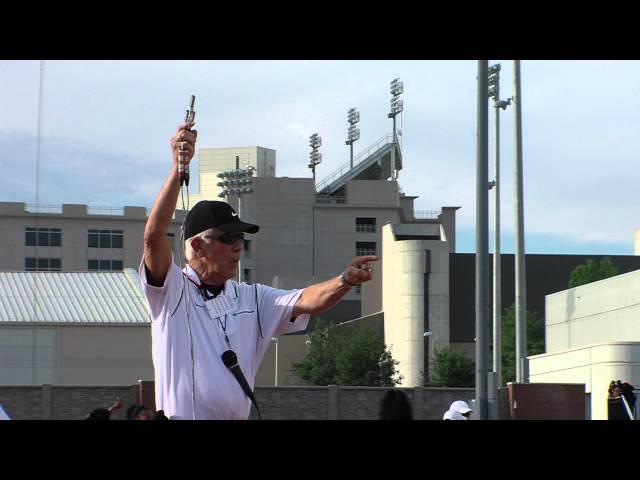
(163, 300)
(276, 307)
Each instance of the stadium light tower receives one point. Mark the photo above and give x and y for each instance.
(353, 133)
(315, 156)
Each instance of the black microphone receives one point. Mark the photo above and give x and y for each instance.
(230, 360)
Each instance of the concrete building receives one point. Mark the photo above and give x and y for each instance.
(592, 336)
(73, 329)
(75, 238)
(428, 287)
(215, 160)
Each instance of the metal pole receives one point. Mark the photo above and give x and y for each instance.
(351, 145)
(482, 240)
(394, 128)
(497, 281)
(522, 374)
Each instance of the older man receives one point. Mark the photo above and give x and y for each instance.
(198, 312)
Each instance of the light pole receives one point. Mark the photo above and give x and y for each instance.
(315, 156)
(482, 240)
(397, 88)
(522, 368)
(236, 182)
(494, 93)
(353, 133)
(275, 339)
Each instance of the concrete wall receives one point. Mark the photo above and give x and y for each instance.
(291, 348)
(603, 311)
(96, 355)
(282, 403)
(76, 355)
(593, 365)
(636, 249)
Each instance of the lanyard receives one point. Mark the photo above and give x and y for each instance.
(224, 330)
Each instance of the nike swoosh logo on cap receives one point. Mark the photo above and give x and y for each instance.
(234, 214)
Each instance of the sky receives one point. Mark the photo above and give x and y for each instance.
(106, 125)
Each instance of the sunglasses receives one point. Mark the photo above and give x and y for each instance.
(228, 238)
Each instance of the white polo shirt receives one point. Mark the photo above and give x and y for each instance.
(218, 395)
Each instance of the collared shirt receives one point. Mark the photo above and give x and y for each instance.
(218, 394)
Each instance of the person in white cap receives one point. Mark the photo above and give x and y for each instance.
(459, 410)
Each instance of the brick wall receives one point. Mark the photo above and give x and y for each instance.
(276, 403)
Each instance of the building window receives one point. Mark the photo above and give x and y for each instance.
(42, 237)
(365, 248)
(32, 264)
(246, 246)
(365, 224)
(104, 265)
(105, 239)
(246, 276)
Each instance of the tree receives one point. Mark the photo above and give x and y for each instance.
(452, 369)
(357, 357)
(535, 340)
(319, 365)
(591, 271)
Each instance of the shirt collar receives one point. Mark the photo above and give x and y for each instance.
(191, 274)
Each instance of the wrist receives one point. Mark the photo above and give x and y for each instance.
(346, 282)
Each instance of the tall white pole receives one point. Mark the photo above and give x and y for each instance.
(482, 241)
(522, 373)
(497, 281)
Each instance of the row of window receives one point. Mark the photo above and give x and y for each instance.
(52, 237)
(55, 265)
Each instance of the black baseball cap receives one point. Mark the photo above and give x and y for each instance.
(208, 214)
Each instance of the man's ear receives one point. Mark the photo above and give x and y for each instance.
(196, 245)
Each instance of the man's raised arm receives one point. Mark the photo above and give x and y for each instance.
(157, 252)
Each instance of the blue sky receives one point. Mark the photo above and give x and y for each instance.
(107, 124)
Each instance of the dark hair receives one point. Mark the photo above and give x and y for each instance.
(134, 410)
(99, 414)
(160, 415)
(395, 405)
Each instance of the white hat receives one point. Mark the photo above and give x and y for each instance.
(460, 406)
(453, 415)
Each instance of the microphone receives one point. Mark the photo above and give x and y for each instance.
(183, 165)
(230, 360)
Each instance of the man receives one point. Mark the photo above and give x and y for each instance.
(199, 313)
(459, 410)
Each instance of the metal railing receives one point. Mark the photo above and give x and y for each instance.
(426, 214)
(105, 211)
(91, 210)
(366, 153)
(42, 208)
